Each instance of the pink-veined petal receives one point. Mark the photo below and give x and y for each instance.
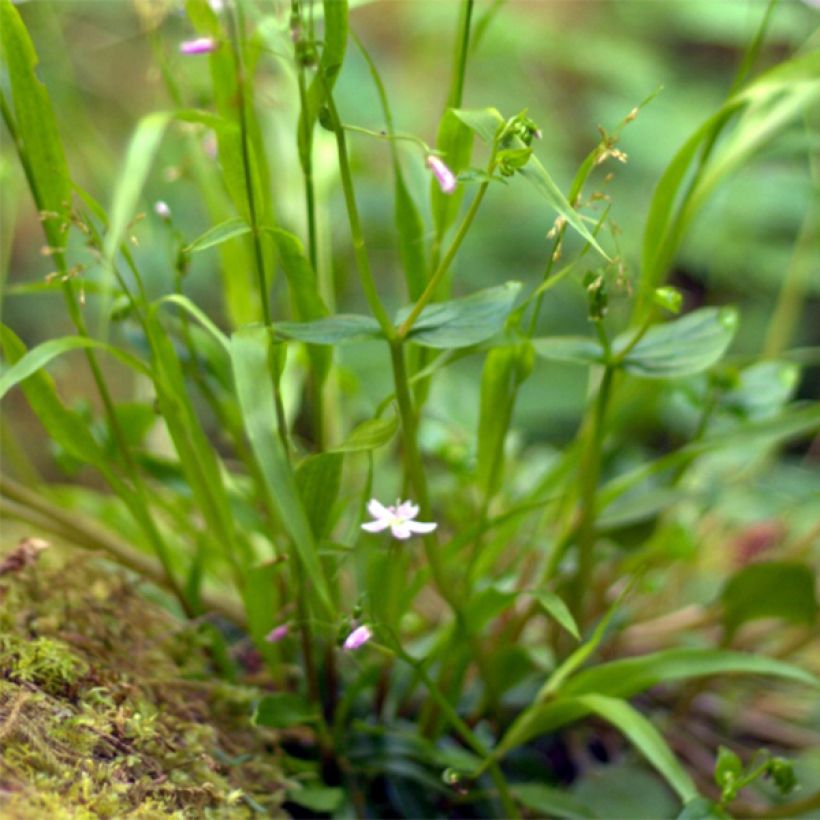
(401, 530)
(421, 526)
(378, 510)
(376, 526)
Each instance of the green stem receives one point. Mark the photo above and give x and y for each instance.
(445, 263)
(589, 476)
(359, 246)
(462, 51)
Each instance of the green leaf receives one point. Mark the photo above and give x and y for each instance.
(197, 313)
(701, 808)
(569, 349)
(728, 768)
(322, 799)
(681, 347)
(225, 231)
(535, 173)
(332, 330)
(484, 121)
(318, 479)
(454, 142)
(463, 322)
(646, 738)
(629, 676)
(770, 589)
(249, 355)
(330, 62)
(139, 158)
(764, 389)
(774, 97)
(44, 158)
(283, 709)
(40, 356)
(198, 458)
(556, 607)
(549, 801)
(369, 435)
(499, 383)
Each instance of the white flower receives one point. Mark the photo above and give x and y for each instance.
(398, 518)
(162, 210)
(358, 637)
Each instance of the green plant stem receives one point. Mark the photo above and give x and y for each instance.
(359, 246)
(462, 50)
(444, 265)
(589, 476)
(415, 470)
(236, 26)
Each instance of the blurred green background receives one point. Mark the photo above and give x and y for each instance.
(574, 65)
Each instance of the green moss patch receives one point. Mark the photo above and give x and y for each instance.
(108, 707)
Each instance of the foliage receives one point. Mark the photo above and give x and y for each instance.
(269, 401)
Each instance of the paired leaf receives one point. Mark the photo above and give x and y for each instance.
(342, 328)
(682, 347)
(463, 322)
(483, 121)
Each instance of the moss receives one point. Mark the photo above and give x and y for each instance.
(109, 709)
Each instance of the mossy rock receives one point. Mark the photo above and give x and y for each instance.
(109, 708)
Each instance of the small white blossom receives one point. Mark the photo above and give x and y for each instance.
(358, 637)
(399, 518)
(162, 210)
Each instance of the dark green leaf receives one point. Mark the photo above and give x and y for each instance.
(547, 801)
(283, 709)
(681, 347)
(318, 478)
(249, 355)
(646, 738)
(332, 330)
(463, 322)
(570, 349)
(770, 589)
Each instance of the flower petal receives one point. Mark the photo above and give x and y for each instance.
(401, 530)
(421, 526)
(446, 178)
(407, 509)
(378, 510)
(376, 526)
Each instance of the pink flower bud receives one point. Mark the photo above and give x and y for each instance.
(446, 178)
(277, 633)
(202, 45)
(358, 637)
